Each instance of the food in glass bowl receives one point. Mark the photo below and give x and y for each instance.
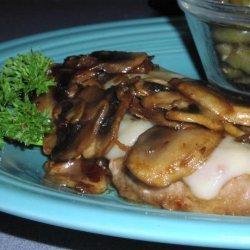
(221, 31)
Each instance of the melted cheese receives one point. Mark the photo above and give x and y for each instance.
(130, 129)
(230, 159)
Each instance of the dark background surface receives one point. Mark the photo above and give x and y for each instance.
(25, 17)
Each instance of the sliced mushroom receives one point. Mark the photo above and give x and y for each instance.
(91, 94)
(76, 111)
(81, 76)
(109, 127)
(148, 86)
(117, 80)
(63, 76)
(232, 130)
(203, 96)
(95, 131)
(46, 102)
(144, 67)
(164, 155)
(80, 62)
(117, 61)
(244, 138)
(49, 143)
(156, 116)
(71, 110)
(195, 118)
(164, 74)
(239, 115)
(139, 88)
(211, 103)
(88, 176)
(166, 100)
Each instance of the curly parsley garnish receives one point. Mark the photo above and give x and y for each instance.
(21, 77)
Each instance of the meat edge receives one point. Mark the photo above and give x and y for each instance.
(233, 198)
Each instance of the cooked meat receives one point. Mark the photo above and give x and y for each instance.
(233, 198)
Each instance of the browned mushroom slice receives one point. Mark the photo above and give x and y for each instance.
(156, 116)
(95, 131)
(49, 142)
(91, 94)
(63, 76)
(46, 102)
(163, 155)
(203, 96)
(166, 100)
(144, 67)
(71, 110)
(195, 118)
(91, 77)
(233, 130)
(76, 108)
(74, 138)
(245, 138)
(82, 76)
(80, 62)
(89, 176)
(69, 115)
(210, 102)
(149, 86)
(138, 88)
(239, 115)
(163, 74)
(117, 61)
(117, 80)
(108, 127)
(79, 71)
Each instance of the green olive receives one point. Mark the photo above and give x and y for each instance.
(228, 35)
(224, 50)
(231, 73)
(238, 2)
(232, 44)
(239, 58)
(243, 81)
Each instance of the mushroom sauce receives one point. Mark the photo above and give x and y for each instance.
(117, 113)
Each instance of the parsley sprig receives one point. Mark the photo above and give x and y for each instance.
(21, 77)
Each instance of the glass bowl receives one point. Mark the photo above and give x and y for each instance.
(221, 32)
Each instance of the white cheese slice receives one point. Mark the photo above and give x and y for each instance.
(230, 159)
(130, 129)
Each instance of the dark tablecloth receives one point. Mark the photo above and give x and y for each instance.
(25, 17)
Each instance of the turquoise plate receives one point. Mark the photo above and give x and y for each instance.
(25, 193)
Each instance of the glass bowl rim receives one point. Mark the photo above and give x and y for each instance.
(216, 4)
(216, 9)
